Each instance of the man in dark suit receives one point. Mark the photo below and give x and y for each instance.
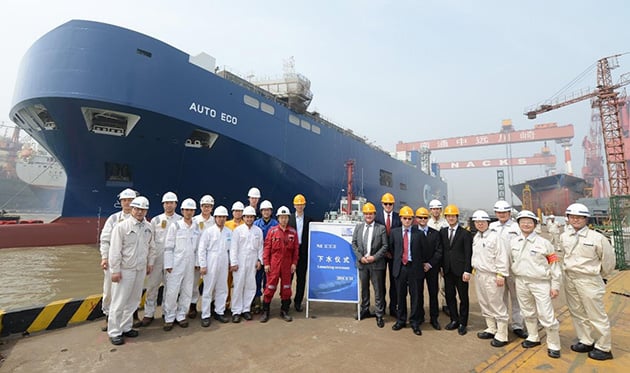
(369, 243)
(300, 222)
(405, 244)
(431, 261)
(390, 219)
(456, 264)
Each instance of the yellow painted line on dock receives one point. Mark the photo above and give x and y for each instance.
(2, 313)
(516, 358)
(86, 307)
(47, 315)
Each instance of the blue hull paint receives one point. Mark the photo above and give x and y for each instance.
(84, 64)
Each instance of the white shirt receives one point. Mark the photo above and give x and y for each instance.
(299, 225)
(370, 230)
(408, 230)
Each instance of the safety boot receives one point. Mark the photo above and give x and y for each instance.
(256, 306)
(284, 310)
(192, 311)
(265, 312)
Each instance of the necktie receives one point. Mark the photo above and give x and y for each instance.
(366, 235)
(450, 235)
(405, 256)
(388, 224)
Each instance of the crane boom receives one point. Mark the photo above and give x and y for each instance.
(606, 100)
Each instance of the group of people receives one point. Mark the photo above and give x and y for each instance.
(240, 260)
(513, 265)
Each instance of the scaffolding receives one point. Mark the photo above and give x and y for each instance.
(620, 219)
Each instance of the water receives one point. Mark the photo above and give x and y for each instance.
(36, 276)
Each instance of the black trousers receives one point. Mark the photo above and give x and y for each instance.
(393, 296)
(431, 279)
(300, 274)
(452, 283)
(408, 281)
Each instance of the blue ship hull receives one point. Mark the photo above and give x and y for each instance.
(184, 129)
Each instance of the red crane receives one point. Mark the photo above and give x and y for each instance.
(606, 99)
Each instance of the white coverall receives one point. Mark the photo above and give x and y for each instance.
(554, 230)
(131, 250)
(203, 224)
(246, 249)
(489, 260)
(213, 255)
(535, 265)
(507, 232)
(587, 258)
(160, 226)
(106, 235)
(180, 254)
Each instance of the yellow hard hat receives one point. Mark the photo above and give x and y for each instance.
(299, 200)
(369, 208)
(388, 198)
(422, 212)
(451, 210)
(406, 212)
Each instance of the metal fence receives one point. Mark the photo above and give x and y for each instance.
(620, 219)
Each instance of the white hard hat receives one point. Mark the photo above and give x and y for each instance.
(140, 203)
(435, 204)
(527, 214)
(578, 209)
(238, 206)
(266, 205)
(220, 211)
(169, 197)
(189, 204)
(207, 200)
(283, 210)
(249, 211)
(127, 193)
(253, 192)
(502, 206)
(480, 215)
(552, 216)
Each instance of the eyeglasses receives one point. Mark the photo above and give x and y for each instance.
(406, 218)
(388, 204)
(422, 217)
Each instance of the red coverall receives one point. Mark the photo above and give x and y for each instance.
(281, 250)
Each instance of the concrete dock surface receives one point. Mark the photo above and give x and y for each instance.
(331, 340)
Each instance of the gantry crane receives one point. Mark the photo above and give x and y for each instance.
(606, 98)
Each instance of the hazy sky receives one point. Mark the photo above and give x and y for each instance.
(389, 70)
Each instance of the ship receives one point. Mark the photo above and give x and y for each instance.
(44, 175)
(120, 109)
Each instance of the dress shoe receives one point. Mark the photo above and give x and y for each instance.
(598, 354)
(298, 307)
(462, 330)
(192, 312)
(496, 343)
(398, 326)
(247, 316)
(581, 347)
(520, 333)
(452, 325)
(529, 344)
(117, 340)
(436, 325)
(485, 335)
(555, 354)
(205, 322)
(379, 322)
(168, 326)
(236, 318)
(131, 333)
(183, 323)
(146, 321)
(416, 330)
(221, 318)
(446, 310)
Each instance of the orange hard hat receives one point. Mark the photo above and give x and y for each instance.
(369, 208)
(406, 212)
(299, 200)
(388, 198)
(422, 212)
(451, 210)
